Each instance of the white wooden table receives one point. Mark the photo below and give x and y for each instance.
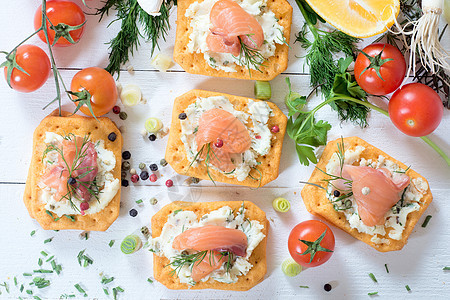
(418, 265)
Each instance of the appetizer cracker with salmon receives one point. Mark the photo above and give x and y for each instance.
(367, 193)
(74, 176)
(239, 39)
(209, 245)
(226, 138)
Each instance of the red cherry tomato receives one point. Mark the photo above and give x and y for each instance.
(392, 72)
(60, 11)
(35, 62)
(100, 85)
(311, 231)
(416, 109)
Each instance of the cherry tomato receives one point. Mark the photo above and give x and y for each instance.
(311, 232)
(35, 62)
(100, 85)
(416, 109)
(392, 72)
(60, 11)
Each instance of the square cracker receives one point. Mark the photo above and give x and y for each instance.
(78, 125)
(195, 63)
(176, 151)
(317, 203)
(257, 259)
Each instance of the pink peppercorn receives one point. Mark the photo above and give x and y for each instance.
(135, 178)
(84, 206)
(218, 143)
(116, 110)
(275, 129)
(153, 178)
(169, 183)
(258, 137)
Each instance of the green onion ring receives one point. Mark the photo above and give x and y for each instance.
(290, 267)
(281, 204)
(130, 244)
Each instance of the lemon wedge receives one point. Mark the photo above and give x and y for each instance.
(358, 18)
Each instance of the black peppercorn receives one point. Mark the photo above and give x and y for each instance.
(327, 287)
(125, 183)
(336, 193)
(112, 136)
(152, 137)
(72, 181)
(126, 155)
(153, 167)
(133, 212)
(182, 116)
(144, 175)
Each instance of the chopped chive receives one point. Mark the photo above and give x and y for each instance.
(106, 280)
(80, 289)
(15, 281)
(40, 262)
(386, 267)
(42, 271)
(408, 288)
(446, 268)
(48, 240)
(50, 258)
(32, 233)
(29, 292)
(372, 293)
(120, 289)
(177, 211)
(5, 285)
(44, 253)
(21, 288)
(427, 219)
(304, 287)
(373, 277)
(27, 274)
(70, 217)
(20, 298)
(37, 298)
(139, 201)
(49, 213)
(149, 280)
(65, 296)
(111, 243)
(115, 293)
(41, 282)
(105, 290)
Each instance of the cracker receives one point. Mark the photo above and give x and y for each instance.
(195, 63)
(176, 151)
(317, 203)
(79, 126)
(257, 259)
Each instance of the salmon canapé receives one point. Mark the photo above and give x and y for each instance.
(224, 135)
(231, 25)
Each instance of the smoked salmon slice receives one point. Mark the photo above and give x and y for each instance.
(212, 261)
(375, 191)
(231, 22)
(212, 237)
(218, 124)
(78, 161)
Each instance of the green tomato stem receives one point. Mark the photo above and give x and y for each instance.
(426, 139)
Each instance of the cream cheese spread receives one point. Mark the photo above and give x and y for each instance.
(257, 115)
(395, 218)
(179, 221)
(109, 185)
(200, 22)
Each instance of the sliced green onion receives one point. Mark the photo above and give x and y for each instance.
(290, 267)
(372, 293)
(262, 90)
(408, 288)
(153, 125)
(281, 204)
(373, 277)
(427, 219)
(130, 244)
(131, 95)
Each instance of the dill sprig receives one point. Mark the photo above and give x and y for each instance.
(132, 18)
(75, 166)
(250, 57)
(322, 50)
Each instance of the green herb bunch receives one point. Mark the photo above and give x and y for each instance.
(132, 18)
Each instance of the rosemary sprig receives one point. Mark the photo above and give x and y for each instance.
(132, 17)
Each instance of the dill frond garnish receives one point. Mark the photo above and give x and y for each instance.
(322, 50)
(190, 260)
(250, 57)
(132, 18)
